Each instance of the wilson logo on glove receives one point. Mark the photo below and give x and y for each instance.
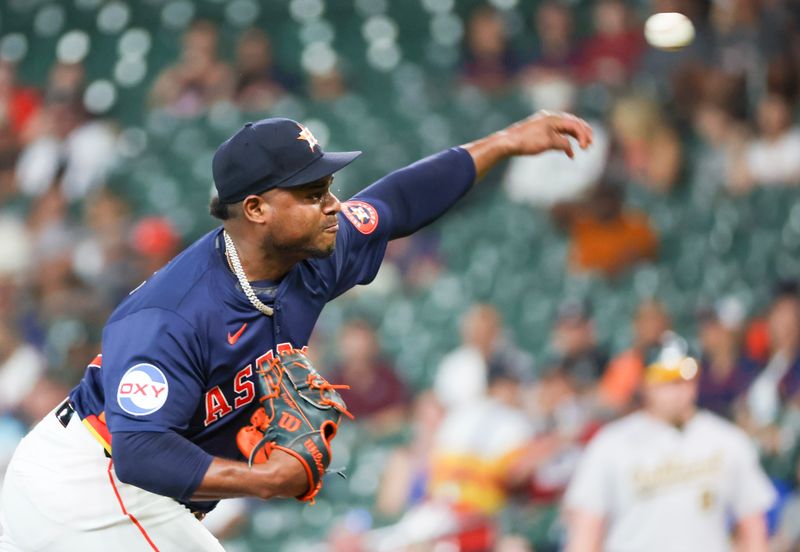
(300, 415)
(289, 422)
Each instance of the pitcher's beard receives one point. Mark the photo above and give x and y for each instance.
(300, 251)
(317, 253)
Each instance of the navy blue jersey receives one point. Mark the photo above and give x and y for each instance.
(180, 353)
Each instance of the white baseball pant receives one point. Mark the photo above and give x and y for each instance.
(60, 493)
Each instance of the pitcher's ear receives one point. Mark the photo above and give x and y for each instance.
(256, 209)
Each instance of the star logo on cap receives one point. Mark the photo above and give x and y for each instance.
(306, 135)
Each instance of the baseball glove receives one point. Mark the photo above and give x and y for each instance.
(299, 414)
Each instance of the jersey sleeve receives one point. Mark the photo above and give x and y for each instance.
(588, 491)
(360, 244)
(752, 491)
(152, 375)
(397, 205)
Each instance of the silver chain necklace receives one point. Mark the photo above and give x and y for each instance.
(236, 264)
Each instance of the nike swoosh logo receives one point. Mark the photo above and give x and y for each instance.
(232, 339)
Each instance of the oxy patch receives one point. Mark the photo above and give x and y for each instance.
(142, 390)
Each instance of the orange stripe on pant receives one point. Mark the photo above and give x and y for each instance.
(125, 512)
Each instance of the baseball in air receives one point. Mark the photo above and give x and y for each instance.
(668, 30)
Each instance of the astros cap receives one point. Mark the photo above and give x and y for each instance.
(672, 363)
(271, 153)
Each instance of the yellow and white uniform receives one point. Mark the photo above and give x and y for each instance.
(475, 447)
(661, 488)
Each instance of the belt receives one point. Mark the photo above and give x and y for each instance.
(64, 412)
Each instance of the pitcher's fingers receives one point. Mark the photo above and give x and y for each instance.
(561, 142)
(588, 135)
(577, 128)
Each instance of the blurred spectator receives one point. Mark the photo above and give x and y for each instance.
(45, 395)
(670, 460)
(562, 420)
(622, 381)
(783, 78)
(756, 340)
(71, 311)
(542, 180)
(17, 261)
(748, 33)
(611, 54)
(377, 397)
(556, 53)
(49, 227)
(714, 85)
(779, 381)
(16, 256)
(259, 81)
(8, 166)
(426, 527)
(65, 83)
(405, 478)
(771, 410)
(471, 471)
(71, 151)
(716, 128)
(477, 445)
(103, 257)
(27, 391)
(573, 343)
(787, 537)
(605, 237)
(489, 62)
(416, 258)
(757, 335)
(21, 366)
(18, 104)
(725, 372)
(462, 375)
(650, 150)
(156, 242)
(198, 79)
(327, 86)
(513, 543)
(771, 158)
(66, 79)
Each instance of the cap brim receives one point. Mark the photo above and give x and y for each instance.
(657, 373)
(329, 163)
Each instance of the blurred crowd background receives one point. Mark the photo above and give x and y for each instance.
(493, 344)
